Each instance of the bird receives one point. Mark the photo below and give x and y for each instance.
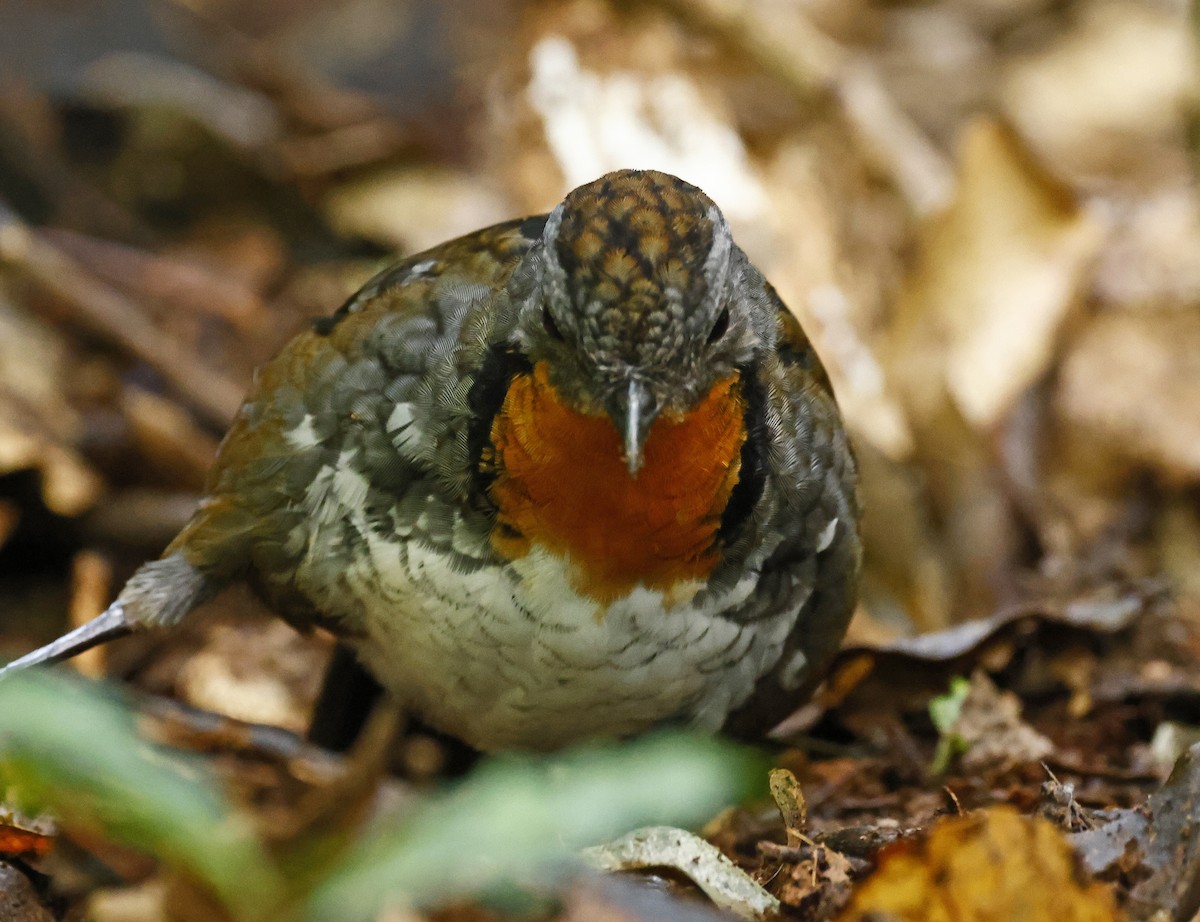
(573, 476)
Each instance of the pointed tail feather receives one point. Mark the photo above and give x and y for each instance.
(160, 594)
(107, 626)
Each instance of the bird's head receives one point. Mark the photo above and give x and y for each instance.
(620, 443)
(636, 311)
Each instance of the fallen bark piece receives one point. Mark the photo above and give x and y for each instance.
(1157, 845)
(19, 901)
(722, 881)
(994, 736)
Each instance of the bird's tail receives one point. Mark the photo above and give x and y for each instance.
(159, 594)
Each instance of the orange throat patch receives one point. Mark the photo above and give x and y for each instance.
(562, 485)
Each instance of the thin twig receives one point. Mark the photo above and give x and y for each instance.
(91, 583)
(108, 313)
(193, 728)
(812, 65)
(172, 282)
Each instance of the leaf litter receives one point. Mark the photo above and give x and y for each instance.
(1007, 306)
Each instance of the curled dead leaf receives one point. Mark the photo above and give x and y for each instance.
(1130, 386)
(789, 798)
(994, 736)
(997, 275)
(37, 425)
(976, 325)
(990, 866)
(1095, 98)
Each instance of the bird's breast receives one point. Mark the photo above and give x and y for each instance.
(562, 485)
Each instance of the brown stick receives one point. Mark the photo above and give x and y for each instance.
(167, 281)
(107, 313)
(91, 582)
(785, 44)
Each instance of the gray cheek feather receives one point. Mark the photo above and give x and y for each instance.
(716, 272)
(549, 279)
(525, 296)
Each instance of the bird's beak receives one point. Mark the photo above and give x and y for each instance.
(633, 417)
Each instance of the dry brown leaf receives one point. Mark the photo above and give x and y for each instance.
(69, 484)
(1124, 402)
(143, 902)
(817, 885)
(1130, 385)
(37, 425)
(33, 361)
(1153, 848)
(908, 568)
(1095, 98)
(176, 447)
(1153, 254)
(414, 208)
(990, 866)
(10, 516)
(259, 672)
(91, 590)
(976, 325)
(21, 843)
(1178, 541)
(996, 277)
(991, 727)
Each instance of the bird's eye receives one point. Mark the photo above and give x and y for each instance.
(550, 325)
(719, 327)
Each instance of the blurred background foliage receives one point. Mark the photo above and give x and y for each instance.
(71, 747)
(985, 213)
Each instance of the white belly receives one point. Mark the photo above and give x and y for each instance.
(519, 660)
